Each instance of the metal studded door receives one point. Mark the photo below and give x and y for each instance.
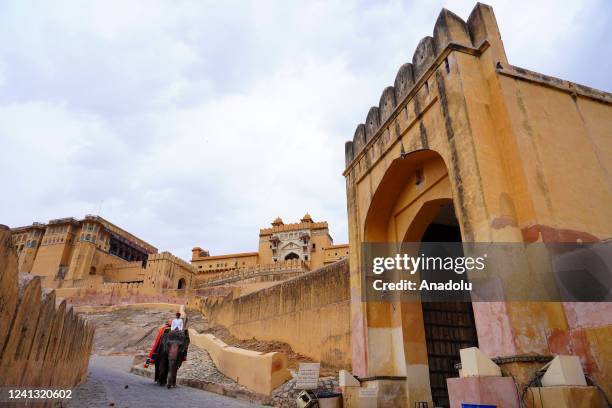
(449, 327)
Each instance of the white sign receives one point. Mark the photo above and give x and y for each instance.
(369, 392)
(308, 376)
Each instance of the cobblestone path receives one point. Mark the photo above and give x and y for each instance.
(106, 384)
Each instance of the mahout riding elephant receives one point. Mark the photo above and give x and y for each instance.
(172, 352)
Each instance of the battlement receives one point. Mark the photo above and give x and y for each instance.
(450, 33)
(296, 226)
(167, 256)
(294, 266)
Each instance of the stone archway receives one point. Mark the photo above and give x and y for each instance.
(181, 283)
(459, 100)
(291, 255)
(412, 196)
(449, 325)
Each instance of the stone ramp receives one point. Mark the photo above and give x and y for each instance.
(200, 372)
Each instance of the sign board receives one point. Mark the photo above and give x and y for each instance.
(368, 392)
(308, 376)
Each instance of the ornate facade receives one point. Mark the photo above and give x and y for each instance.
(306, 241)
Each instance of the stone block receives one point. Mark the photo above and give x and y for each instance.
(498, 391)
(475, 364)
(564, 370)
(347, 380)
(564, 397)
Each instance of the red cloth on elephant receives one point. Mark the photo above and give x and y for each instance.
(153, 352)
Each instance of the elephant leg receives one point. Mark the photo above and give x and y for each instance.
(163, 369)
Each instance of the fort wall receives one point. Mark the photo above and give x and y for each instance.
(42, 343)
(117, 293)
(310, 313)
(525, 158)
(260, 372)
(257, 273)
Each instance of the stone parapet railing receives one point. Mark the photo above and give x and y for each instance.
(289, 268)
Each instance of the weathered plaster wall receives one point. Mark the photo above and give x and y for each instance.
(164, 271)
(120, 293)
(260, 372)
(125, 272)
(41, 344)
(527, 160)
(310, 313)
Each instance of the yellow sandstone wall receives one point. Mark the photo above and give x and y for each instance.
(165, 271)
(216, 264)
(260, 372)
(335, 253)
(43, 344)
(310, 313)
(120, 294)
(522, 156)
(125, 272)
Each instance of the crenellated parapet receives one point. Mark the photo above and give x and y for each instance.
(450, 33)
(167, 256)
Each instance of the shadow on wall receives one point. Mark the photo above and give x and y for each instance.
(41, 344)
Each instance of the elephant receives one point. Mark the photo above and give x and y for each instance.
(172, 352)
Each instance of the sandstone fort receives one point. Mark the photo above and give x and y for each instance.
(462, 147)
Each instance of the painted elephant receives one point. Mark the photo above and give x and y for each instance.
(172, 352)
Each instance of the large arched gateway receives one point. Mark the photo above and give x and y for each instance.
(466, 147)
(414, 203)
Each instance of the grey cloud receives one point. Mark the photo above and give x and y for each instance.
(196, 123)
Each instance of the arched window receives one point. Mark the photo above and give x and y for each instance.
(291, 255)
(181, 284)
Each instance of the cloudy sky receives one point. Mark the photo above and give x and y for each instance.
(196, 123)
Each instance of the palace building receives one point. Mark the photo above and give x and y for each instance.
(306, 242)
(91, 252)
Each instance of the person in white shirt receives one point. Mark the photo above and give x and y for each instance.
(177, 324)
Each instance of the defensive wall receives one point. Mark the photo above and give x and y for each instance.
(309, 312)
(116, 293)
(260, 372)
(520, 156)
(43, 343)
(257, 273)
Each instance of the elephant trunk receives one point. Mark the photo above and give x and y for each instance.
(173, 354)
